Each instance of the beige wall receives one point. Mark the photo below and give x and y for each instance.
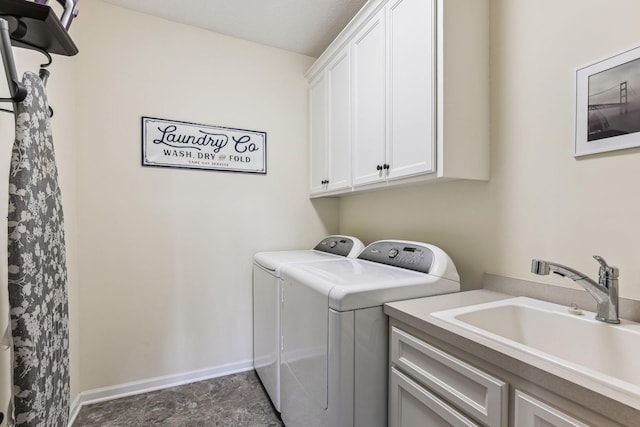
(455, 216)
(549, 204)
(540, 201)
(60, 93)
(165, 254)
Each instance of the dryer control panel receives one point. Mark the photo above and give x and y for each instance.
(409, 255)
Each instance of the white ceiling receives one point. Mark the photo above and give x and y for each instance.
(303, 26)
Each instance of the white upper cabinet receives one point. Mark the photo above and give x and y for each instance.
(411, 81)
(319, 143)
(416, 101)
(339, 168)
(369, 123)
(330, 106)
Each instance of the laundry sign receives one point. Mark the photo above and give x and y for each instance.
(170, 143)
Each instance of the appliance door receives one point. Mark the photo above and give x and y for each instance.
(305, 318)
(266, 331)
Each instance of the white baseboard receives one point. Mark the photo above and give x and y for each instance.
(152, 384)
(76, 405)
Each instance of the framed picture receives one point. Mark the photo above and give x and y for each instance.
(608, 104)
(177, 144)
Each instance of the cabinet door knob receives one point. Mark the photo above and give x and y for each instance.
(379, 167)
(385, 166)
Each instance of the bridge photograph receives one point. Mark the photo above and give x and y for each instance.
(614, 101)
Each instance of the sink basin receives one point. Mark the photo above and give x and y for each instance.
(604, 352)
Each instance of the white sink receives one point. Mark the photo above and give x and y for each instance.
(604, 352)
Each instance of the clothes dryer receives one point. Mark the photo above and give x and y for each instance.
(267, 299)
(335, 334)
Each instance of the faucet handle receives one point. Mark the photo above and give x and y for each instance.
(605, 269)
(601, 260)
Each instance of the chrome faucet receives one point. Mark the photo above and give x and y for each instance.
(605, 291)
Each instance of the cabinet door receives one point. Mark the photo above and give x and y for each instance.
(474, 391)
(339, 123)
(411, 94)
(411, 405)
(530, 412)
(368, 50)
(318, 152)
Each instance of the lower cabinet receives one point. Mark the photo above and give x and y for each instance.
(431, 387)
(413, 405)
(434, 372)
(530, 412)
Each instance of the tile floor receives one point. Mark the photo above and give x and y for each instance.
(232, 401)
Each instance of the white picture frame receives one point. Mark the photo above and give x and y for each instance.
(608, 104)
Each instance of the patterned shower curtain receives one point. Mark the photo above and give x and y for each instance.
(37, 269)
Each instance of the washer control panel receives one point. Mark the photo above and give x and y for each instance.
(409, 255)
(337, 245)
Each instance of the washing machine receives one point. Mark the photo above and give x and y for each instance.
(267, 299)
(335, 335)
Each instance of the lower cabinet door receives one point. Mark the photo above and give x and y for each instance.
(411, 405)
(478, 394)
(530, 412)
